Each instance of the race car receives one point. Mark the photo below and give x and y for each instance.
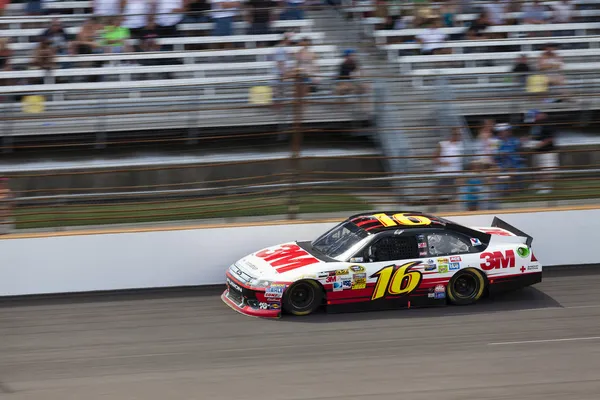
(383, 260)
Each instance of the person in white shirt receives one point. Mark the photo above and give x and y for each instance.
(563, 11)
(449, 158)
(107, 8)
(136, 14)
(169, 13)
(431, 38)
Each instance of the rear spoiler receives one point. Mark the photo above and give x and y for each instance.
(498, 223)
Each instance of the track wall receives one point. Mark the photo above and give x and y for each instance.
(188, 257)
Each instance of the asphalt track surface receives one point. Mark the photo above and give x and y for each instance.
(539, 343)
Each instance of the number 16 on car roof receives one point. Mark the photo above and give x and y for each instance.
(402, 219)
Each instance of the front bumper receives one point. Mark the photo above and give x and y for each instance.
(249, 301)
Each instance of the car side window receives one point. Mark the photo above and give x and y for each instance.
(444, 244)
(393, 248)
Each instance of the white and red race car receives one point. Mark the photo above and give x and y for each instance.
(383, 260)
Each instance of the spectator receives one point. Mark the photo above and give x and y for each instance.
(522, 68)
(495, 12)
(169, 13)
(44, 56)
(348, 71)
(3, 4)
(116, 37)
(283, 63)
(477, 28)
(563, 11)
(136, 16)
(382, 12)
(546, 157)
(486, 145)
(260, 16)
(34, 7)
(551, 65)
(449, 158)
(86, 41)
(223, 13)
(473, 186)
(197, 11)
(294, 9)
(5, 54)
(6, 207)
(509, 158)
(57, 36)
(534, 13)
(448, 11)
(431, 38)
(107, 8)
(306, 67)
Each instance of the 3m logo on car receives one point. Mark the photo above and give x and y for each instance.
(497, 260)
(287, 258)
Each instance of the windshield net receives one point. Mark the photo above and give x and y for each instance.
(339, 239)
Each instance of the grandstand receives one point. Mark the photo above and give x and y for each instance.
(196, 99)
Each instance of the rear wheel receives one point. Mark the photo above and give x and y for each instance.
(466, 287)
(302, 297)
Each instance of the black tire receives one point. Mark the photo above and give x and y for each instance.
(466, 287)
(303, 297)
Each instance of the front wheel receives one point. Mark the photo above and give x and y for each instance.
(302, 298)
(466, 287)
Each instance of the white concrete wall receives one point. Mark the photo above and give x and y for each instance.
(201, 256)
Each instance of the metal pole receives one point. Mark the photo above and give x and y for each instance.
(296, 143)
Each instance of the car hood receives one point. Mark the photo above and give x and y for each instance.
(282, 261)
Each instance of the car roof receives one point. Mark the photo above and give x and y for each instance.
(378, 221)
(375, 222)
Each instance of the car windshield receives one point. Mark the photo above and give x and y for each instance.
(339, 239)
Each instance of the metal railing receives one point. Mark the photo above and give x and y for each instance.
(61, 200)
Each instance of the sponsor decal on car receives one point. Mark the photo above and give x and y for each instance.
(533, 268)
(422, 245)
(331, 279)
(357, 259)
(423, 253)
(431, 261)
(359, 281)
(442, 261)
(455, 259)
(342, 272)
(523, 251)
(234, 285)
(357, 268)
(443, 268)
(347, 284)
(421, 237)
(269, 306)
(337, 286)
(475, 242)
(430, 267)
(287, 257)
(497, 260)
(440, 292)
(250, 265)
(275, 291)
(453, 266)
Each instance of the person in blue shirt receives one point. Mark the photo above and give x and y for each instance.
(509, 158)
(474, 185)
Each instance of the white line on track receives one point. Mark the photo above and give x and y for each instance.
(546, 341)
